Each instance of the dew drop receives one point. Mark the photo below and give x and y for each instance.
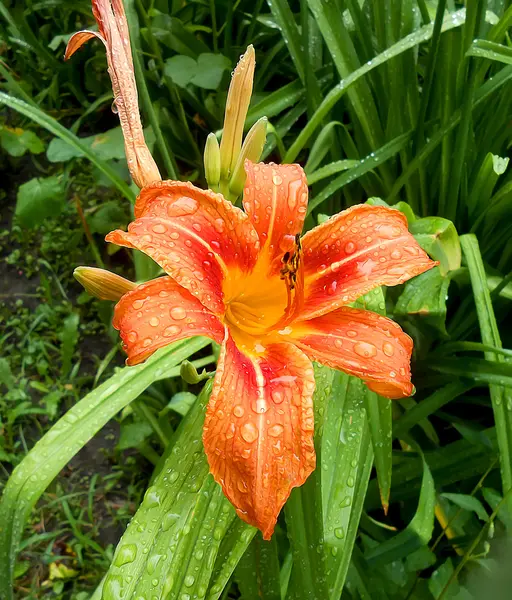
(183, 206)
(388, 349)
(350, 248)
(365, 349)
(178, 313)
(249, 432)
(154, 321)
(159, 228)
(238, 411)
(171, 331)
(275, 430)
(277, 180)
(352, 333)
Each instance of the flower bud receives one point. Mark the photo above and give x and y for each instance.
(212, 162)
(103, 284)
(189, 373)
(239, 96)
(251, 150)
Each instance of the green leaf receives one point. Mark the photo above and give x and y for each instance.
(70, 138)
(417, 534)
(425, 296)
(6, 377)
(16, 141)
(170, 546)
(109, 216)
(181, 402)
(491, 50)
(58, 446)
(210, 70)
(501, 398)
(468, 502)
(181, 69)
(69, 339)
(133, 434)
(439, 238)
(106, 146)
(39, 199)
(258, 573)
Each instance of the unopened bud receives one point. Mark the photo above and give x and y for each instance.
(189, 373)
(103, 284)
(237, 104)
(212, 162)
(251, 150)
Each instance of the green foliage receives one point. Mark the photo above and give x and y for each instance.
(405, 102)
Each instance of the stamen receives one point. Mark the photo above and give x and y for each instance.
(293, 276)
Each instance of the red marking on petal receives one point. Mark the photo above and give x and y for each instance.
(158, 313)
(276, 198)
(199, 238)
(258, 432)
(356, 251)
(361, 343)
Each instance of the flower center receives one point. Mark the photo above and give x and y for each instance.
(260, 303)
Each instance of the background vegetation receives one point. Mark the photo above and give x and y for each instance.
(403, 101)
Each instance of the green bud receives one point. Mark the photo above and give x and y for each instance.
(189, 373)
(251, 150)
(212, 162)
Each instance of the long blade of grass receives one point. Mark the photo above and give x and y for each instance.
(501, 398)
(53, 126)
(421, 35)
(258, 573)
(55, 449)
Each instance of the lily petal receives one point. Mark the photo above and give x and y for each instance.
(196, 236)
(114, 33)
(258, 432)
(356, 251)
(361, 343)
(159, 312)
(276, 198)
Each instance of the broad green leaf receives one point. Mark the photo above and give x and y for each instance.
(425, 297)
(133, 434)
(439, 238)
(417, 534)
(53, 126)
(469, 503)
(170, 546)
(210, 70)
(57, 447)
(257, 573)
(109, 216)
(39, 199)
(107, 146)
(181, 69)
(501, 397)
(17, 141)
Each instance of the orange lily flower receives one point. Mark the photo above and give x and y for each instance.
(275, 302)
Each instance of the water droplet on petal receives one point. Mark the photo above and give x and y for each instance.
(238, 411)
(178, 313)
(365, 349)
(154, 321)
(183, 206)
(350, 248)
(249, 432)
(159, 228)
(275, 430)
(172, 331)
(388, 349)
